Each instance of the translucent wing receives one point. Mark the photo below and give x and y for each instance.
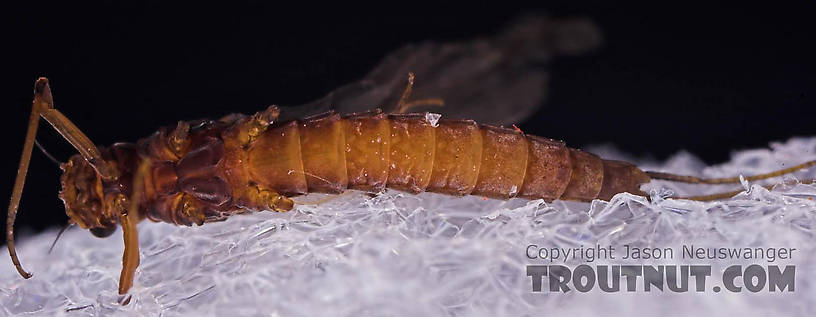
(497, 80)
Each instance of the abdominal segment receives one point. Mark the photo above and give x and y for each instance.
(370, 151)
(232, 166)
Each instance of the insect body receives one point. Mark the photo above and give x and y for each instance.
(207, 171)
(204, 171)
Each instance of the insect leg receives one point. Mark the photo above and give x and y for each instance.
(404, 105)
(43, 105)
(22, 171)
(261, 198)
(325, 200)
(260, 122)
(129, 218)
(240, 144)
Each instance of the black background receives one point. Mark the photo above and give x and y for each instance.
(708, 78)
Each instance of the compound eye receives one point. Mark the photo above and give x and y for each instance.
(103, 232)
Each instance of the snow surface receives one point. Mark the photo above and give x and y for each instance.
(398, 254)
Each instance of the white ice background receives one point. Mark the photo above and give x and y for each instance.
(398, 254)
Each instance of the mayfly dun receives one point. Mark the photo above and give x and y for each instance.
(203, 171)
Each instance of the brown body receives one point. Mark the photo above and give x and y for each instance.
(235, 165)
(205, 171)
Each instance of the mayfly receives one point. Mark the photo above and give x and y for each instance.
(207, 170)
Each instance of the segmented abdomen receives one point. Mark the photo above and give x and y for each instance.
(370, 151)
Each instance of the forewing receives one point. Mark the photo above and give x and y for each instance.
(496, 80)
